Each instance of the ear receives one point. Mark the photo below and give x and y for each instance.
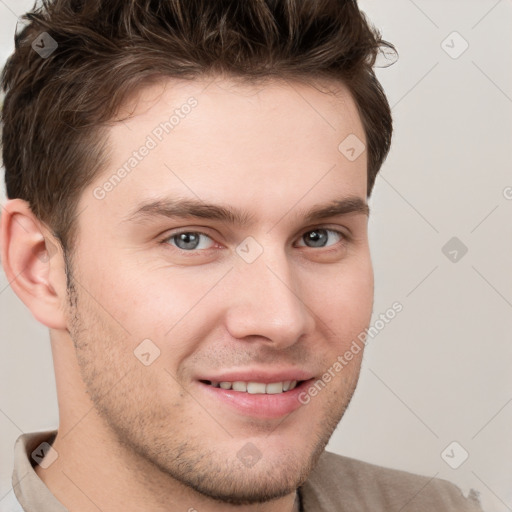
(33, 263)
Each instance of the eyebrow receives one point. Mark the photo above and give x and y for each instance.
(187, 208)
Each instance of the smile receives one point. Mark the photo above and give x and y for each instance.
(256, 388)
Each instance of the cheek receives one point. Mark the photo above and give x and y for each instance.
(136, 295)
(170, 306)
(346, 301)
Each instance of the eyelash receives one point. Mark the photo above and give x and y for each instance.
(344, 238)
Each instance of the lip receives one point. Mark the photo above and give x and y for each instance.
(261, 406)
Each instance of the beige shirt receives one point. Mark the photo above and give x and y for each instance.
(337, 484)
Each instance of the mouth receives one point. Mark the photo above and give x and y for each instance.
(256, 388)
(272, 399)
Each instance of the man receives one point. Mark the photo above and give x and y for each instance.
(188, 186)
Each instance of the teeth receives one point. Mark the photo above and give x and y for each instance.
(274, 388)
(239, 386)
(257, 388)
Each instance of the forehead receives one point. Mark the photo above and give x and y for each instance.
(223, 91)
(236, 142)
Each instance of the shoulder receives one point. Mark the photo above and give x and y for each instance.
(341, 484)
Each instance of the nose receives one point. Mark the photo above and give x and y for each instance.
(267, 303)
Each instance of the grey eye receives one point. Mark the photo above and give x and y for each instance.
(320, 238)
(190, 240)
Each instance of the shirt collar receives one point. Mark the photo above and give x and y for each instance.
(29, 489)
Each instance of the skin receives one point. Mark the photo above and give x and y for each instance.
(133, 437)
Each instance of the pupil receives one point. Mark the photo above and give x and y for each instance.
(187, 241)
(317, 238)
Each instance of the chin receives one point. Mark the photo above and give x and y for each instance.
(250, 486)
(230, 476)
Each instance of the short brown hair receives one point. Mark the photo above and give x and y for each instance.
(57, 108)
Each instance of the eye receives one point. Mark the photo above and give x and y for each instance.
(321, 238)
(190, 240)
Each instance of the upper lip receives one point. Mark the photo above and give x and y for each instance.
(264, 376)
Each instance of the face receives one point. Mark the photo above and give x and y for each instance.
(218, 274)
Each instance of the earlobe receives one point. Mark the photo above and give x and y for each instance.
(33, 264)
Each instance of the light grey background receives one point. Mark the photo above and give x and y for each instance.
(440, 371)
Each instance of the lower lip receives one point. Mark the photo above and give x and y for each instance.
(259, 405)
